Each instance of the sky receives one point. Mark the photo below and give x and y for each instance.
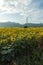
(18, 10)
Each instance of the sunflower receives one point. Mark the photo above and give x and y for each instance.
(13, 39)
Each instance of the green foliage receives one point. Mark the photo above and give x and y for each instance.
(22, 52)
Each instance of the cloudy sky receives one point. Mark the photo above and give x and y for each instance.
(18, 10)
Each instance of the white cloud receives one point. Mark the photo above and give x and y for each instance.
(23, 7)
(1, 3)
(14, 5)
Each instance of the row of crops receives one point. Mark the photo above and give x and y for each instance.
(21, 46)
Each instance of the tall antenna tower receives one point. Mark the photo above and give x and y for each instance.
(26, 19)
(26, 23)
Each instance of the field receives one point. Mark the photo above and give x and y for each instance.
(13, 34)
(21, 46)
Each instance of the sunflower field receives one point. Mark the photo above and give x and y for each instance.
(21, 46)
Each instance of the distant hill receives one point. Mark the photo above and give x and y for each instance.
(12, 24)
(34, 24)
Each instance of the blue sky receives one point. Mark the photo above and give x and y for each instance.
(18, 10)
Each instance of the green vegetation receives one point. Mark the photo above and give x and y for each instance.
(22, 52)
